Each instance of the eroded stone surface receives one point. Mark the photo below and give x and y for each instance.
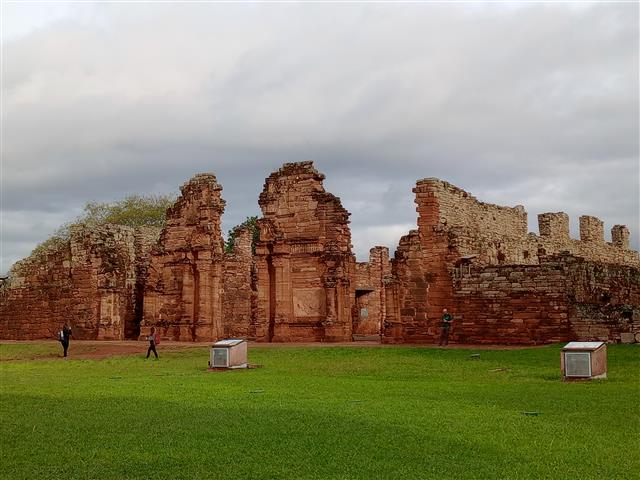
(89, 281)
(184, 283)
(505, 285)
(304, 262)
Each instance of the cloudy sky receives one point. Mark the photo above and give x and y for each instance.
(532, 104)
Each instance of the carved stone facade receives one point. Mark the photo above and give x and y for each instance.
(302, 283)
(304, 262)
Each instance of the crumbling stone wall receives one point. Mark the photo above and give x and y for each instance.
(369, 309)
(563, 298)
(183, 293)
(88, 280)
(240, 295)
(604, 301)
(517, 304)
(304, 262)
(458, 235)
(498, 235)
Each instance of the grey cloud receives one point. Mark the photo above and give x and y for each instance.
(527, 104)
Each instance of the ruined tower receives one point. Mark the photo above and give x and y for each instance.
(304, 262)
(184, 285)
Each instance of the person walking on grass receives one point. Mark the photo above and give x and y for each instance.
(154, 339)
(447, 321)
(64, 336)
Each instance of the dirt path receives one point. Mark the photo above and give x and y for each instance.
(94, 349)
(90, 349)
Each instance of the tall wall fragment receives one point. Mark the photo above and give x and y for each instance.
(184, 283)
(304, 262)
(240, 295)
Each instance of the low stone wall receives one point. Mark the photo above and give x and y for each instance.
(516, 304)
(563, 298)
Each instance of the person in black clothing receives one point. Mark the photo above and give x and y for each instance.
(152, 343)
(447, 320)
(65, 336)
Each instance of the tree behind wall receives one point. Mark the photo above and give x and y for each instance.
(252, 224)
(131, 211)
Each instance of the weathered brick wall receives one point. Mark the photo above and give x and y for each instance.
(369, 309)
(240, 296)
(498, 235)
(38, 299)
(145, 239)
(457, 233)
(517, 304)
(563, 298)
(88, 281)
(604, 301)
(406, 293)
(304, 262)
(184, 282)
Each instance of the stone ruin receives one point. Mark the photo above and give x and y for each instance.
(302, 283)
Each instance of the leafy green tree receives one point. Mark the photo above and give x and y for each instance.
(132, 211)
(252, 224)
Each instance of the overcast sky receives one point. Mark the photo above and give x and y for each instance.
(531, 104)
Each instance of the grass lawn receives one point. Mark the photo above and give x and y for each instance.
(324, 412)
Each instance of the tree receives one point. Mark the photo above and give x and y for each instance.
(132, 211)
(252, 224)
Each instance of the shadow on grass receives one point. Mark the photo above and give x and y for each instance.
(121, 437)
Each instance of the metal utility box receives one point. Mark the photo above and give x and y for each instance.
(584, 360)
(229, 353)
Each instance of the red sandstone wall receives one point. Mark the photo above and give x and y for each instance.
(184, 285)
(88, 281)
(564, 298)
(604, 300)
(240, 296)
(406, 294)
(457, 233)
(515, 304)
(369, 310)
(304, 262)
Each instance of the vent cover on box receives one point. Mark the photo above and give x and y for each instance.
(577, 364)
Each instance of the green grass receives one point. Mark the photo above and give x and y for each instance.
(333, 413)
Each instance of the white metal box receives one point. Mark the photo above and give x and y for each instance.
(229, 353)
(584, 360)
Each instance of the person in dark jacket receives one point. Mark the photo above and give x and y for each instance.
(65, 337)
(152, 343)
(447, 320)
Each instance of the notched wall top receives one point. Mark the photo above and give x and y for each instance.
(498, 235)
